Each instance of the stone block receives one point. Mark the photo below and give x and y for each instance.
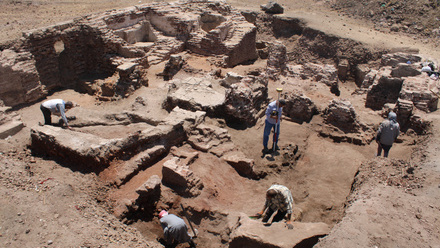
(405, 70)
(392, 59)
(144, 159)
(419, 91)
(341, 114)
(299, 107)
(343, 69)
(195, 94)
(360, 73)
(252, 233)
(181, 178)
(243, 165)
(272, 8)
(385, 89)
(10, 128)
(150, 189)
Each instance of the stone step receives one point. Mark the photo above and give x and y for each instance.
(10, 128)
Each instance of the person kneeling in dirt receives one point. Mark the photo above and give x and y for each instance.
(278, 197)
(175, 230)
(387, 134)
(56, 107)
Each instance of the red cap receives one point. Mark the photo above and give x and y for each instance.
(162, 214)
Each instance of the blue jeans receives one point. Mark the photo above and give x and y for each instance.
(267, 128)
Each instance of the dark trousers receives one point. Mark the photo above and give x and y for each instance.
(278, 217)
(47, 115)
(385, 148)
(267, 129)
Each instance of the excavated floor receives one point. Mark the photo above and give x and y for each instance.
(320, 176)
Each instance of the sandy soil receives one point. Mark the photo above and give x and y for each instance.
(45, 204)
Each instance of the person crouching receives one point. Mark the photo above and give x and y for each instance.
(175, 230)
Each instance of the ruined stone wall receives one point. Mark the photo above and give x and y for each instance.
(90, 49)
(385, 89)
(81, 54)
(316, 45)
(19, 81)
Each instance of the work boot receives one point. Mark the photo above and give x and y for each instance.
(191, 244)
(276, 148)
(265, 150)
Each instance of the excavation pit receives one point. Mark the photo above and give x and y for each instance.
(154, 152)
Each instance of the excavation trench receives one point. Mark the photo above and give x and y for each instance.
(196, 141)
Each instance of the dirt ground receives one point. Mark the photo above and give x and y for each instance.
(43, 204)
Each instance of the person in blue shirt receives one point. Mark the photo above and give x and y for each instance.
(273, 118)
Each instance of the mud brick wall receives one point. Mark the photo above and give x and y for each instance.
(386, 90)
(91, 47)
(19, 81)
(83, 54)
(417, 90)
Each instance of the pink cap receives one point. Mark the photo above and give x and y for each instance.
(162, 214)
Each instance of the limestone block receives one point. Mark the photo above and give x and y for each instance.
(326, 74)
(223, 148)
(299, 107)
(385, 89)
(126, 69)
(244, 100)
(230, 79)
(243, 165)
(181, 178)
(361, 71)
(187, 117)
(89, 152)
(341, 113)
(144, 159)
(185, 156)
(150, 190)
(205, 137)
(195, 94)
(20, 82)
(392, 59)
(10, 128)
(252, 233)
(418, 91)
(343, 69)
(272, 8)
(405, 70)
(89, 117)
(82, 150)
(368, 79)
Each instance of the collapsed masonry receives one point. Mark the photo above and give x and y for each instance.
(109, 54)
